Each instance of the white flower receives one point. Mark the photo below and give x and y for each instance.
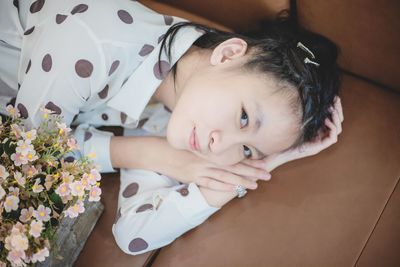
(2, 192)
(74, 210)
(93, 176)
(46, 112)
(23, 147)
(30, 135)
(16, 257)
(3, 172)
(72, 144)
(37, 188)
(16, 130)
(19, 178)
(29, 170)
(94, 194)
(63, 189)
(42, 213)
(63, 129)
(32, 156)
(36, 228)
(19, 159)
(40, 255)
(13, 112)
(11, 203)
(19, 242)
(26, 214)
(77, 188)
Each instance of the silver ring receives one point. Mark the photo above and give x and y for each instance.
(240, 190)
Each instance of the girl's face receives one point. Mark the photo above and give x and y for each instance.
(233, 115)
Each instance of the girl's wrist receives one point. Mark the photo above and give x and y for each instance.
(276, 160)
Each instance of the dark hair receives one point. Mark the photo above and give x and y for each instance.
(275, 53)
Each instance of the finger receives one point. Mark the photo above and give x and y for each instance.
(339, 108)
(332, 136)
(249, 171)
(336, 120)
(230, 178)
(214, 184)
(257, 163)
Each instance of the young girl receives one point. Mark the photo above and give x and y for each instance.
(240, 105)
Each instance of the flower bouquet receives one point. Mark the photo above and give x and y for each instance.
(39, 185)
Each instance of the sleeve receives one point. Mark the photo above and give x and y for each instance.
(65, 66)
(94, 143)
(154, 210)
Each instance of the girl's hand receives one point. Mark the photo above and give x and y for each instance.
(321, 141)
(221, 178)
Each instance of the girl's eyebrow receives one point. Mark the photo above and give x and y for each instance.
(259, 117)
(259, 122)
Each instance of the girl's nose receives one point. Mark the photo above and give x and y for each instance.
(219, 142)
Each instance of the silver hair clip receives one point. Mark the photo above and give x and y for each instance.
(307, 60)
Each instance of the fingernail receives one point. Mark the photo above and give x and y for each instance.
(253, 186)
(266, 176)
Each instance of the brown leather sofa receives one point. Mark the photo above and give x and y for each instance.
(338, 208)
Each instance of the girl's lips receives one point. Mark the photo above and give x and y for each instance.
(193, 141)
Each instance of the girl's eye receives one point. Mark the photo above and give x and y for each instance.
(244, 117)
(248, 150)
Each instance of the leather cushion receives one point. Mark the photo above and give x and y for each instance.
(367, 31)
(316, 211)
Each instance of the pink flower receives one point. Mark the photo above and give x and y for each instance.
(2, 192)
(26, 214)
(19, 159)
(63, 129)
(29, 136)
(63, 189)
(74, 210)
(16, 257)
(29, 170)
(24, 147)
(13, 112)
(31, 155)
(19, 178)
(37, 188)
(67, 177)
(85, 183)
(11, 203)
(36, 228)
(13, 190)
(40, 255)
(93, 176)
(77, 188)
(3, 172)
(94, 194)
(50, 179)
(42, 213)
(16, 130)
(72, 144)
(66, 198)
(19, 242)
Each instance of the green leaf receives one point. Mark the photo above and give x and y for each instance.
(59, 206)
(14, 215)
(9, 148)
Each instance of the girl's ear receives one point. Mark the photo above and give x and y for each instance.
(230, 49)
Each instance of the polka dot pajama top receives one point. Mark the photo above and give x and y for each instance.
(96, 63)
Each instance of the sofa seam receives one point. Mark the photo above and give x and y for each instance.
(377, 222)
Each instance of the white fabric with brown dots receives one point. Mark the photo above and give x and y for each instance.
(96, 64)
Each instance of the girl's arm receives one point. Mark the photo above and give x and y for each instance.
(154, 153)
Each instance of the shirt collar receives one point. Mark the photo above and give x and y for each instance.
(142, 83)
